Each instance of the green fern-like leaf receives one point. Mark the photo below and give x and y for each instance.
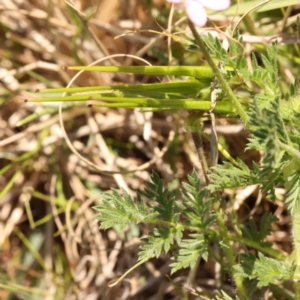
(293, 192)
(216, 50)
(156, 192)
(235, 49)
(270, 270)
(229, 176)
(189, 252)
(254, 61)
(265, 77)
(235, 44)
(195, 207)
(265, 126)
(159, 241)
(119, 209)
(268, 131)
(258, 235)
(265, 270)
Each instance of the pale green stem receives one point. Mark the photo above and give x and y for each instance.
(292, 151)
(239, 109)
(235, 102)
(296, 236)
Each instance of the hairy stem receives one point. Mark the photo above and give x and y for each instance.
(235, 102)
(296, 236)
(239, 109)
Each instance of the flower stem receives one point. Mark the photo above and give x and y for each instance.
(235, 102)
(239, 109)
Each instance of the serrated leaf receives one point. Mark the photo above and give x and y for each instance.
(267, 64)
(229, 176)
(157, 193)
(265, 127)
(159, 241)
(265, 270)
(119, 209)
(189, 252)
(256, 234)
(254, 61)
(293, 192)
(196, 207)
(269, 270)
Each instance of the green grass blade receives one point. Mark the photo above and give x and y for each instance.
(242, 8)
(200, 72)
(181, 86)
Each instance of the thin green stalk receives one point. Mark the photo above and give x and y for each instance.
(197, 138)
(228, 248)
(235, 238)
(292, 151)
(202, 73)
(19, 288)
(218, 210)
(278, 291)
(235, 102)
(218, 235)
(296, 230)
(30, 247)
(239, 109)
(12, 181)
(257, 246)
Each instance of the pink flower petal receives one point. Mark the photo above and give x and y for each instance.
(196, 12)
(215, 4)
(174, 1)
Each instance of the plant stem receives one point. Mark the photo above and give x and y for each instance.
(278, 291)
(292, 151)
(197, 139)
(236, 104)
(218, 235)
(239, 109)
(228, 248)
(296, 231)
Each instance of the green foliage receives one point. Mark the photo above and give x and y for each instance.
(235, 49)
(186, 227)
(293, 193)
(258, 235)
(160, 239)
(265, 270)
(194, 208)
(197, 213)
(226, 297)
(266, 128)
(267, 132)
(229, 176)
(271, 66)
(158, 242)
(190, 250)
(298, 27)
(265, 77)
(156, 192)
(120, 210)
(161, 209)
